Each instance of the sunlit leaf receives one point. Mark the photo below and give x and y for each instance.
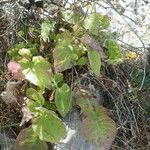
(95, 22)
(25, 52)
(63, 99)
(48, 126)
(64, 54)
(47, 26)
(37, 71)
(28, 140)
(78, 30)
(35, 95)
(95, 61)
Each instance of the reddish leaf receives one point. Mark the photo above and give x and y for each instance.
(15, 69)
(94, 44)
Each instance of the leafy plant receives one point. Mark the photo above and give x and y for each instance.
(70, 49)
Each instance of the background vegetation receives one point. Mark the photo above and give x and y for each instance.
(61, 57)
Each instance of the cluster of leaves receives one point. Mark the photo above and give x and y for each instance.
(88, 44)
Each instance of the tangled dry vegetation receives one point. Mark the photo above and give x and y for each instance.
(127, 104)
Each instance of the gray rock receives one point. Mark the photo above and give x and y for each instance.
(6, 142)
(74, 139)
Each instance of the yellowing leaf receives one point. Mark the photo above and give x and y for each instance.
(63, 99)
(95, 61)
(64, 54)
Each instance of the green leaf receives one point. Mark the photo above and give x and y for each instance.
(58, 80)
(64, 53)
(23, 49)
(28, 140)
(32, 105)
(82, 61)
(104, 36)
(112, 51)
(14, 52)
(48, 126)
(35, 95)
(37, 71)
(47, 26)
(63, 99)
(95, 61)
(98, 128)
(95, 22)
(25, 52)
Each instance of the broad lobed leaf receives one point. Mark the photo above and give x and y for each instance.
(48, 126)
(98, 128)
(37, 71)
